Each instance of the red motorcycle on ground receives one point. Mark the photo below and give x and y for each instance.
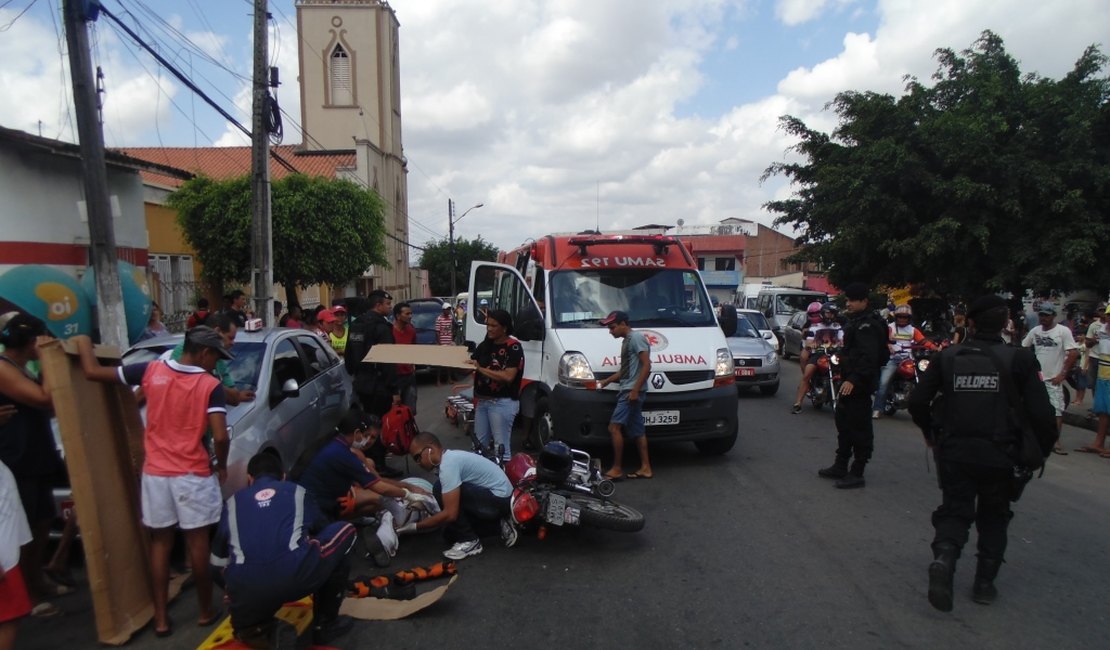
(564, 487)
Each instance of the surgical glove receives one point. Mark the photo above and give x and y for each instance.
(412, 499)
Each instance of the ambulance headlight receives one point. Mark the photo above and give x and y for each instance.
(574, 370)
(922, 365)
(724, 367)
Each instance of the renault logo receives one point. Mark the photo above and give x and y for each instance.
(657, 381)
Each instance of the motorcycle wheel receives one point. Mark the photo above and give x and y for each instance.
(889, 409)
(607, 515)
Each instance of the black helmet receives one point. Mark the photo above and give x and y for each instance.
(830, 307)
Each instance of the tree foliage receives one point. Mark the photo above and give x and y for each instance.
(324, 230)
(436, 259)
(986, 180)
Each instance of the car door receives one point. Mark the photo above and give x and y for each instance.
(792, 333)
(326, 378)
(293, 419)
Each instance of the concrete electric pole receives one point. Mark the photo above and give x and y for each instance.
(262, 272)
(102, 238)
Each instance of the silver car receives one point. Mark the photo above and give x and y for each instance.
(755, 359)
(302, 391)
(760, 323)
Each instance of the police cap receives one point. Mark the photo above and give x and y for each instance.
(985, 303)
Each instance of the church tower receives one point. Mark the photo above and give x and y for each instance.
(350, 77)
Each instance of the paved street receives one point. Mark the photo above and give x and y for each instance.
(751, 549)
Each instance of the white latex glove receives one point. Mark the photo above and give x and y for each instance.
(407, 528)
(411, 499)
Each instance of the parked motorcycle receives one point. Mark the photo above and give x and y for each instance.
(824, 387)
(564, 487)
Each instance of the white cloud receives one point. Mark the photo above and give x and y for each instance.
(795, 12)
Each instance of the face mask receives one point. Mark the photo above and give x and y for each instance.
(360, 444)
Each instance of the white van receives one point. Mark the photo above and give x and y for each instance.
(780, 303)
(558, 288)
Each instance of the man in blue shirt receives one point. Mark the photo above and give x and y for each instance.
(274, 546)
(628, 416)
(473, 492)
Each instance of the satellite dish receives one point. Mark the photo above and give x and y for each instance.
(681, 222)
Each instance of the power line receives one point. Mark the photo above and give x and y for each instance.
(17, 16)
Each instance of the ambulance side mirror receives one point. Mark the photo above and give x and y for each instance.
(728, 320)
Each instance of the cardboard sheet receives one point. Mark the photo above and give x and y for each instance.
(102, 435)
(445, 356)
(385, 609)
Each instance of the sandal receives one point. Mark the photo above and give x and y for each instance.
(45, 610)
(161, 634)
(217, 613)
(796, 409)
(60, 578)
(58, 590)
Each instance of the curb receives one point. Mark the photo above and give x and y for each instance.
(1083, 420)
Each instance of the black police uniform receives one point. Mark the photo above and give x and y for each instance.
(863, 335)
(375, 383)
(974, 439)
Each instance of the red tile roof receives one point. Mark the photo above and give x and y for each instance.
(230, 162)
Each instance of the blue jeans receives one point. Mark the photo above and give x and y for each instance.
(885, 375)
(494, 416)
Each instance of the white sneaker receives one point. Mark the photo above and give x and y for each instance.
(509, 532)
(875, 415)
(463, 549)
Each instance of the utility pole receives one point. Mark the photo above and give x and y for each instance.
(102, 237)
(262, 272)
(451, 244)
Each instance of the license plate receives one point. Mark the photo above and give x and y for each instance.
(556, 509)
(745, 372)
(67, 510)
(653, 418)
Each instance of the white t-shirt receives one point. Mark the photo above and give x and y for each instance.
(14, 530)
(1051, 347)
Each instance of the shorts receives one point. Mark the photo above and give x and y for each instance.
(14, 601)
(188, 501)
(1102, 397)
(630, 415)
(1055, 396)
(37, 496)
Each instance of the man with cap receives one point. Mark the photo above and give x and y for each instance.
(375, 383)
(962, 405)
(628, 415)
(483, 310)
(445, 335)
(1056, 351)
(864, 335)
(179, 487)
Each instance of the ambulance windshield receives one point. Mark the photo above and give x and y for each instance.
(656, 298)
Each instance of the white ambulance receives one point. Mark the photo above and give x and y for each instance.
(559, 287)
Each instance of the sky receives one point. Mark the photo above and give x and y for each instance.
(556, 115)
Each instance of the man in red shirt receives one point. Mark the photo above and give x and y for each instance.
(178, 486)
(405, 334)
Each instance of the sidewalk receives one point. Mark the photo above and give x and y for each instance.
(1080, 415)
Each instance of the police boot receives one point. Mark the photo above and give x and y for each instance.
(940, 576)
(854, 478)
(983, 590)
(837, 470)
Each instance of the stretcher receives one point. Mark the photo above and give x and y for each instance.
(459, 408)
(298, 614)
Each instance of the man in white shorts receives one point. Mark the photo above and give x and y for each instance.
(178, 485)
(1056, 351)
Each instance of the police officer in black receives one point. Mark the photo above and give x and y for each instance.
(963, 408)
(864, 333)
(375, 384)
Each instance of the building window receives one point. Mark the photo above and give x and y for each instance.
(701, 263)
(175, 288)
(726, 264)
(340, 83)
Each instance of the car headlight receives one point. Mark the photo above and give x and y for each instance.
(771, 356)
(574, 370)
(725, 367)
(922, 365)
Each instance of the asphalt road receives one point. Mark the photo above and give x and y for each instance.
(750, 549)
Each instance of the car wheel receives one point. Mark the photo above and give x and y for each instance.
(543, 426)
(769, 390)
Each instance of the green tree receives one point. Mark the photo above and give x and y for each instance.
(988, 179)
(436, 259)
(324, 230)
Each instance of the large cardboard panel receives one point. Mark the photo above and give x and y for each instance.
(102, 436)
(447, 356)
(384, 609)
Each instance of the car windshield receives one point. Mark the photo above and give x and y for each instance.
(244, 368)
(790, 303)
(425, 319)
(745, 329)
(758, 320)
(652, 297)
